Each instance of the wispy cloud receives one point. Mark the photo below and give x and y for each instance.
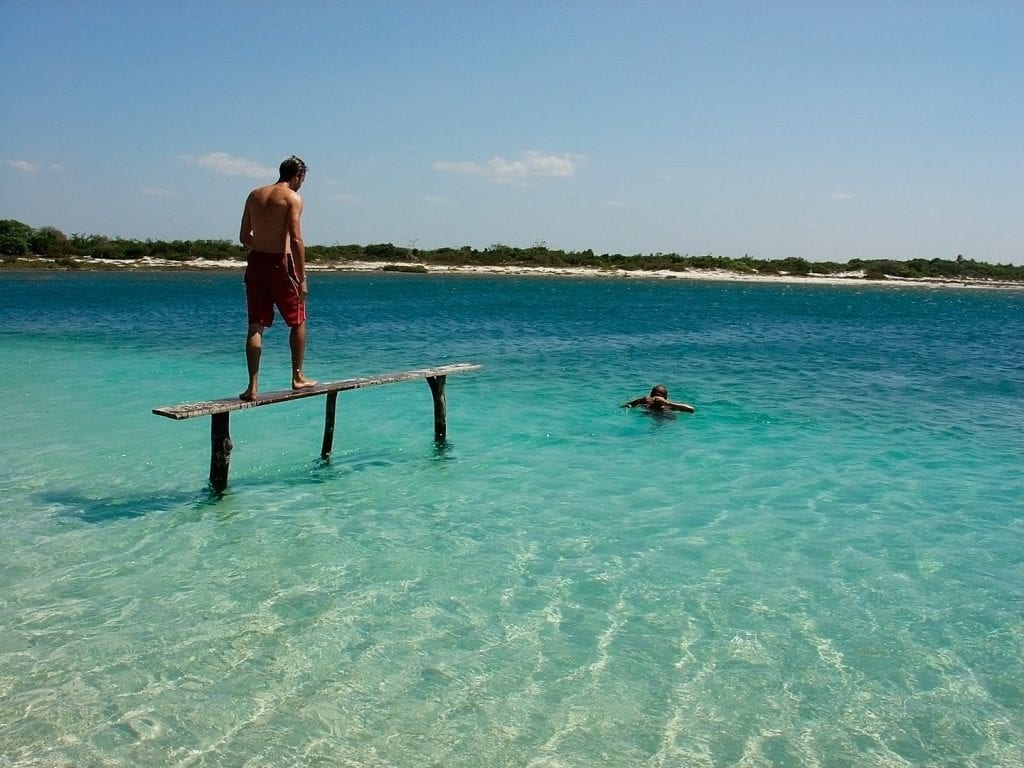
(340, 196)
(158, 192)
(227, 165)
(344, 197)
(843, 196)
(530, 164)
(24, 166)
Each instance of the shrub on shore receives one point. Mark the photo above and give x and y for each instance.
(18, 240)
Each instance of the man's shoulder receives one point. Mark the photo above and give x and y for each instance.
(281, 192)
(262, 193)
(275, 194)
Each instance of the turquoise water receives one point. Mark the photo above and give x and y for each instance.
(824, 566)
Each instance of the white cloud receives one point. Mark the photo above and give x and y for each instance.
(344, 197)
(24, 166)
(529, 165)
(436, 200)
(225, 164)
(842, 196)
(459, 166)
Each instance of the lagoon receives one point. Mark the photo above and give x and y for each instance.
(821, 566)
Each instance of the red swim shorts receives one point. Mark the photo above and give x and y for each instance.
(270, 279)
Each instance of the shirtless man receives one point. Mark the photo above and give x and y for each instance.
(276, 269)
(658, 401)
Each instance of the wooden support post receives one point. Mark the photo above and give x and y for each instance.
(219, 410)
(332, 404)
(440, 407)
(220, 453)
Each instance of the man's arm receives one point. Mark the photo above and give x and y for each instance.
(245, 231)
(298, 246)
(634, 403)
(680, 407)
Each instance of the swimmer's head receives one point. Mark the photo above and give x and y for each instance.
(658, 390)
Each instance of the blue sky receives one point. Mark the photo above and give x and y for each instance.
(825, 130)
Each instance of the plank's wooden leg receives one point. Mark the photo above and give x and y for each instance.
(220, 454)
(440, 406)
(332, 403)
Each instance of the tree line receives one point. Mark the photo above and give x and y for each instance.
(19, 241)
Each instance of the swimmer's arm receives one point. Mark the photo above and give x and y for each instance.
(681, 407)
(636, 402)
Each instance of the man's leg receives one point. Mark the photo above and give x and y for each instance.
(297, 341)
(253, 351)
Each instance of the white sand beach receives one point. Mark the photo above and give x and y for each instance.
(718, 275)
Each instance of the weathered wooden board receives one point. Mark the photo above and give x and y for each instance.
(225, 405)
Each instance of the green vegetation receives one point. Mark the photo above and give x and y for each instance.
(54, 249)
(20, 240)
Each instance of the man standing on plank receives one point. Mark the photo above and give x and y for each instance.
(276, 269)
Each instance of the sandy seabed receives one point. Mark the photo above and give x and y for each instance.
(716, 275)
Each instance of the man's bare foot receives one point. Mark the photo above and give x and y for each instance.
(248, 396)
(301, 382)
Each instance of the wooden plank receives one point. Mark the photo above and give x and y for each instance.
(225, 405)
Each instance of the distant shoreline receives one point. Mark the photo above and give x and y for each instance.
(705, 275)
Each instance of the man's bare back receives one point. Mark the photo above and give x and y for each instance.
(265, 221)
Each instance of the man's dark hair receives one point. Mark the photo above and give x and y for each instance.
(291, 168)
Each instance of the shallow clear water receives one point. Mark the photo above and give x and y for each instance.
(824, 566)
